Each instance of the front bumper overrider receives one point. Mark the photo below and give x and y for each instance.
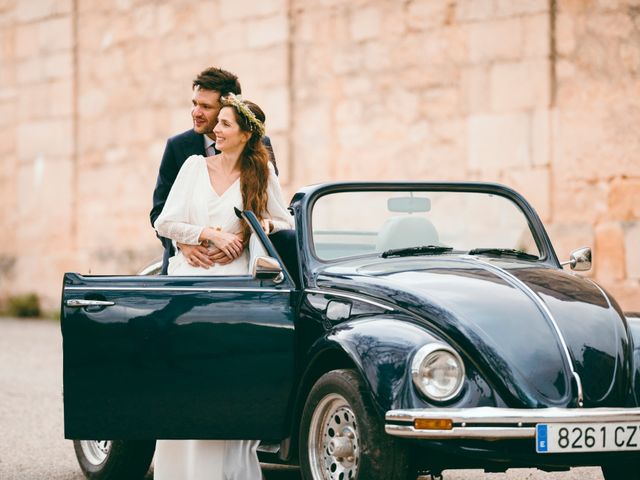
(492, 423)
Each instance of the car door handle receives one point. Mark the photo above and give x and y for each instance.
(89, 303)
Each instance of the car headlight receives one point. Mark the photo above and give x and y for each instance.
(438, 372)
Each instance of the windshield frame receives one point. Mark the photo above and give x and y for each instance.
(307, 198)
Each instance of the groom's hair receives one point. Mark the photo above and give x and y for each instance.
(219, 80)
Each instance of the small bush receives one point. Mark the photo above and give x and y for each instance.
(25, 305)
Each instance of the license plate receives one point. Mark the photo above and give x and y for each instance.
(587, 437)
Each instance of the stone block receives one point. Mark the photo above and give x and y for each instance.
(311, 123)
(33, 103)
(510, 8)
(166, 17)
(7, 117)
(8, 147)
(233, 35)
(475, 10)
(144, 21)
(496, 40)
(624, 199)
(44, 203)
(29, 10)
(92, 103)
(27, 42)
(632, 249)
(246, 9)
(92, 28)
(446, 45)
(565, 34)
(441, 103)
(60, 98)
(429, 14)
(609, 253)
(536, 35)
(59, 65)
(348, 60)
(498, 141)
(586, 138)
(267, 32)
(377, 56)
(630, 56)
(276, 106)
(55, 34)
(30, 70)
(565, 70)
(365, 24)
(407, 51)
(393, 22)
(520, 85)
(476, 87)
(541, 137)
(578, 200)
(355, 85)
(616, 25)
(48, 138)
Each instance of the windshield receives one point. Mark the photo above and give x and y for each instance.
(396, 223)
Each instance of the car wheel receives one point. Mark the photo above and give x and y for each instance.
(114, 460)
(625, 470)
(342, 436)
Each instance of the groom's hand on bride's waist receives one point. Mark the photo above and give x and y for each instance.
(201, 256)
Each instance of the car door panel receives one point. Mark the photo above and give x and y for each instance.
(177, 357)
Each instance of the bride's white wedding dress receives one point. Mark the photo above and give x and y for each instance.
(193, 204)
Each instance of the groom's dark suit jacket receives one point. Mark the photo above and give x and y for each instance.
(178, 149)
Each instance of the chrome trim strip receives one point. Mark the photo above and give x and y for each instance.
(179, 289)
(349, 296)
(476, 433)
(493, 423)
(545, 310)
(89, 303)
(580, 392)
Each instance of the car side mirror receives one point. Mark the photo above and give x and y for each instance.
(267, 268)
(579, 260)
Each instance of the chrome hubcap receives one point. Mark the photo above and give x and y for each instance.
(95, 451)
(334, 443)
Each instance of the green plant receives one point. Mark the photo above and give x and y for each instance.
(24, 305)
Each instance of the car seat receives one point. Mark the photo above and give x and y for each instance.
(406, 231)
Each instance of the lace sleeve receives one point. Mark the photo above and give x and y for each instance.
(173, 221)
(277, 209)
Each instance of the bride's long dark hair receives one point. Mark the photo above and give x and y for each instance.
(253, 161)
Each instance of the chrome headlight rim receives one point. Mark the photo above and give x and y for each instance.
(416, 366)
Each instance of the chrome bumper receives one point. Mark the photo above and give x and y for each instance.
(490, 423)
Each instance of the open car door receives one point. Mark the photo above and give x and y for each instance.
(167, 357)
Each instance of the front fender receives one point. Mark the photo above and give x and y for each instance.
(381, 349)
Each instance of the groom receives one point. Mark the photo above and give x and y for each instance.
(208, 87)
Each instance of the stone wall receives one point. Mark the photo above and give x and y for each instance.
(542, 95)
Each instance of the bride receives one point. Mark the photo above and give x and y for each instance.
(200, 210)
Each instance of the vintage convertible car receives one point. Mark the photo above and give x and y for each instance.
(401, 328)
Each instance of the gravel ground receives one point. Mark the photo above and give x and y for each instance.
(32, 444)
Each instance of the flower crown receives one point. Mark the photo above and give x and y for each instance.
(235, 101)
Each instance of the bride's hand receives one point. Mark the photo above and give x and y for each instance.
(267, 225)
(229, 243)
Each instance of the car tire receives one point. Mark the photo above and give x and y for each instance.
(114, 460)
(342, 435)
